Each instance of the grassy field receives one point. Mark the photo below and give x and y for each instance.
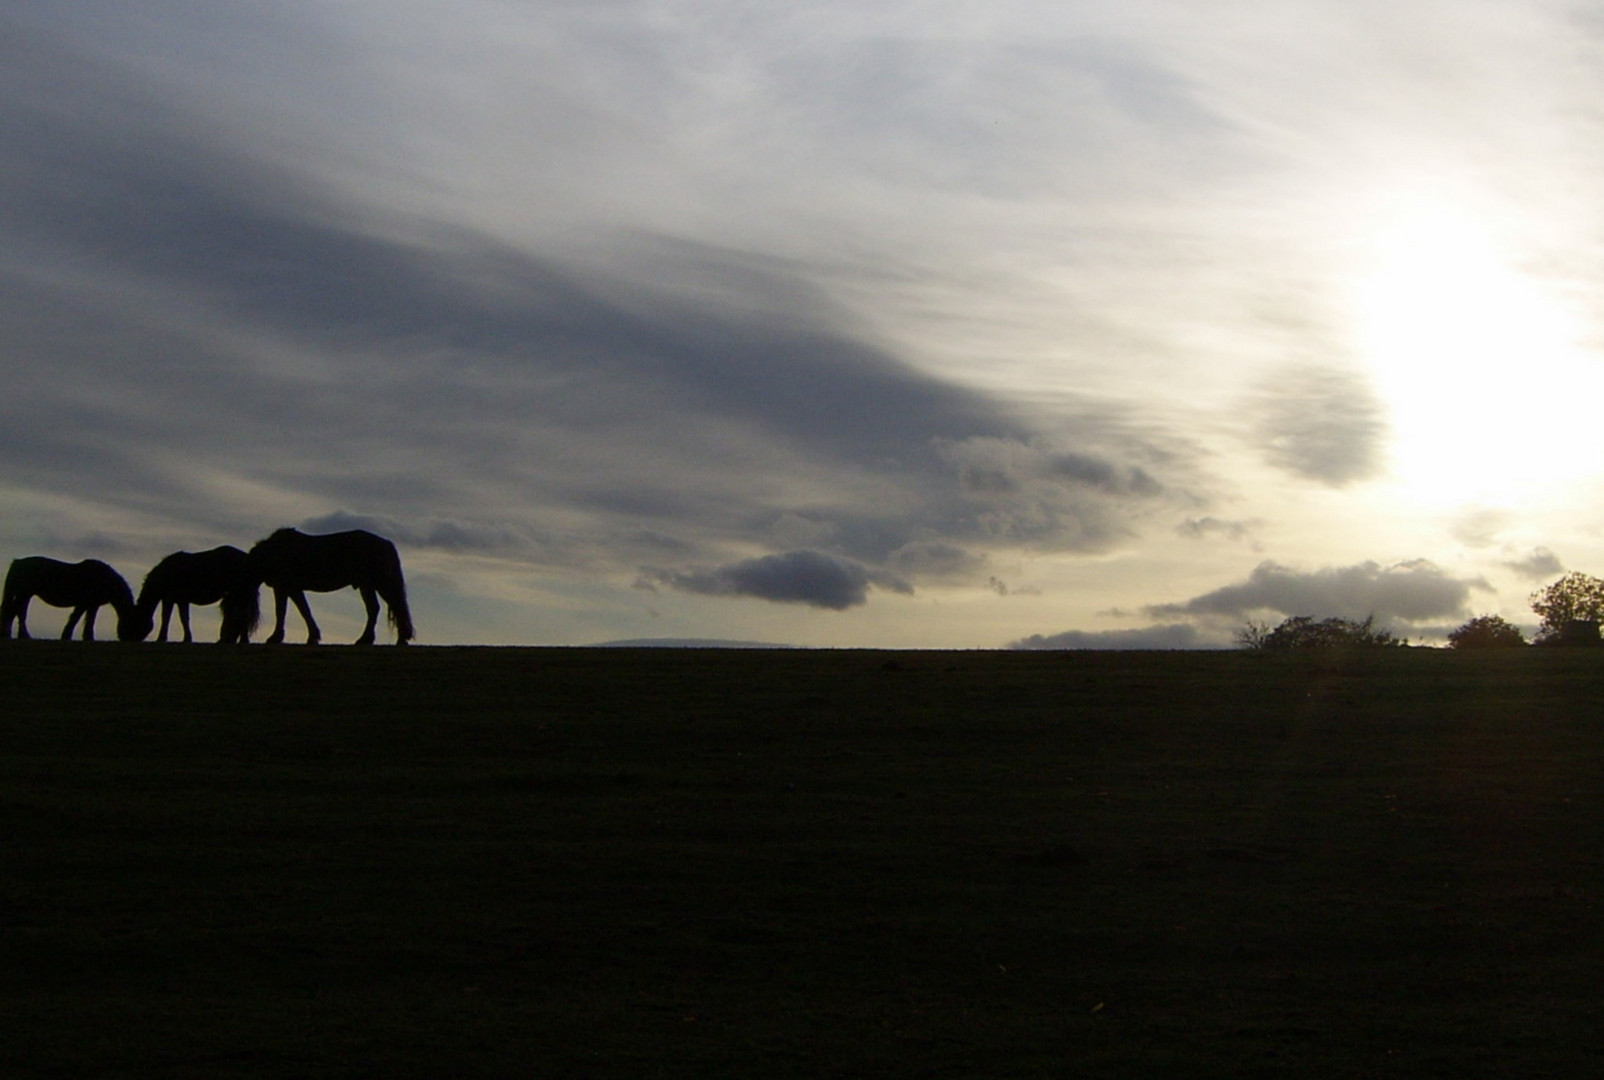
(434, 862)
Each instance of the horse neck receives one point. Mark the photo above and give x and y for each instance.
(122, 598)
(149, 597)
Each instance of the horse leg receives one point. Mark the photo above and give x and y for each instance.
(167, 618)
(281, 601)
(21, 615)
(183, 617)
(370, 600)
(88, 612)
(313, 634)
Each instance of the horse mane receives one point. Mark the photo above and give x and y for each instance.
(152, 582)
(122, 600)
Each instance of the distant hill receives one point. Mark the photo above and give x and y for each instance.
(688, 643)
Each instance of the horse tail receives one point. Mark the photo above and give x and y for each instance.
(394, 591)
(9, 599)
(242, 611)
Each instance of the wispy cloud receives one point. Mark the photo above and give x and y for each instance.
(486, 397)
(1203, 527)
(1322, 424)
(807, 305)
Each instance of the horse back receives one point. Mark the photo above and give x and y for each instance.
(61, 584)
(325, 563)
(195, 577)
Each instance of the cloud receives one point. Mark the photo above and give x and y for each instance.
(577, 289)
(1033, 493)
(1539, 563)
(1479, 527)
(990, 466)
(936, 559)
(445, 535)
(334, 353)
(1411, 591)
(795, 577)
(1204, 527)
(1322, 424)
(1164, 636)
(251, 347)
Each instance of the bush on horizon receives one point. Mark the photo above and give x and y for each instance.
(1307, 632)
(1486, 632)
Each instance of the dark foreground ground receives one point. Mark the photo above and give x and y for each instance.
(433, 862)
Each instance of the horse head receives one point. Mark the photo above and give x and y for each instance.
(135, 622)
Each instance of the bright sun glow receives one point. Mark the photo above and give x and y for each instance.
(1489, 392)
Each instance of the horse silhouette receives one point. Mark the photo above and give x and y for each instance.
(85, 587)
(292, 563)
(184, 578)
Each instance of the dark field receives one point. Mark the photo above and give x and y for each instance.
(592, 863)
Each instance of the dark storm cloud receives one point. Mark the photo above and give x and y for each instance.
(794, 577)
(1166, 636)
(1412, 591)
(1322, 424)
(198, 335)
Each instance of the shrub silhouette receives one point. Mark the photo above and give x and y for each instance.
(1306, 632)
(1486, 632)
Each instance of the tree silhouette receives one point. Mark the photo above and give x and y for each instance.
(1576, 598)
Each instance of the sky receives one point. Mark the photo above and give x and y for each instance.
(930, 324)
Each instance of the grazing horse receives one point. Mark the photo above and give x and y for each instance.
(84, 587)
(184, 578)
(292, 564)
